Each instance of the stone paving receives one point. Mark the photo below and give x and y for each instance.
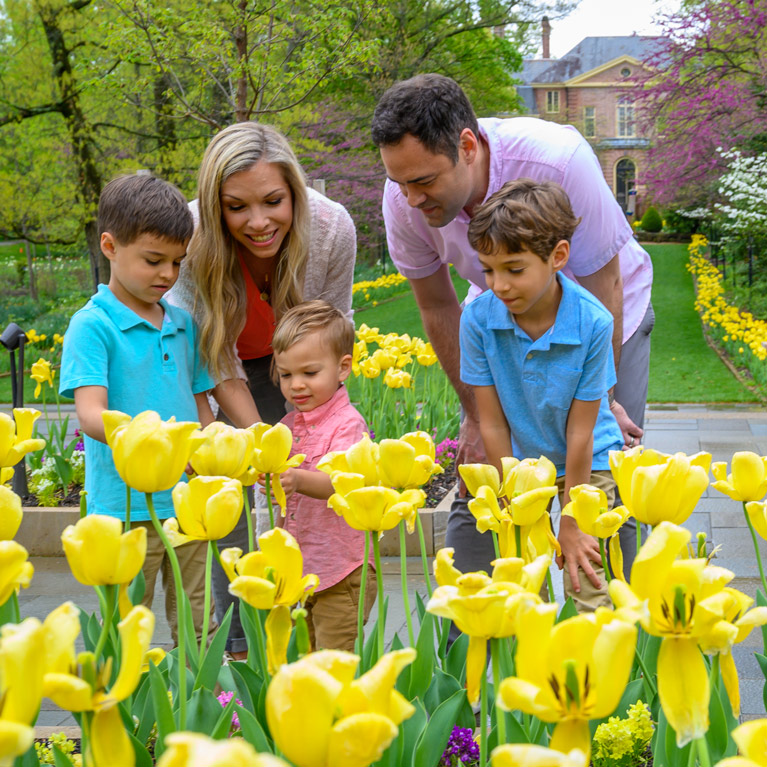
(689, 428)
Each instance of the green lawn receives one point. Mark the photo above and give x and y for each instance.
(682, 366)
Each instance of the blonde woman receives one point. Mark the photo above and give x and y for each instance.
(263, 242)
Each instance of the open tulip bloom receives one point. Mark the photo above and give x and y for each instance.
(16, 436)
(191, 749)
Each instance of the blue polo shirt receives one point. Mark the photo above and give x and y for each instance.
(537, 380)
(143, 368)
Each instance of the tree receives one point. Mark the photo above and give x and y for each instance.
(709, 92)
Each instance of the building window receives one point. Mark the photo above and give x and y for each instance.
(589, 122)
(552, 101)
(625, 72)
(625, 119)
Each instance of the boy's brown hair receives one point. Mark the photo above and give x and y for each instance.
(312, 317)
(130, 206)
(523, 215)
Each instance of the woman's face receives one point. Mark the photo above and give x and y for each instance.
(257, 206)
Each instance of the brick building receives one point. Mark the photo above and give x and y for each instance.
(590, 88)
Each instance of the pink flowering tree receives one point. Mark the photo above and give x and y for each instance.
(708, 93)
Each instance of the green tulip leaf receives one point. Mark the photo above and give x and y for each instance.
(434, 738)
(211, 664)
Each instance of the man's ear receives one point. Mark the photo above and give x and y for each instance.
(108, 244)
(468, 144)
(560, 255)
(344, 367)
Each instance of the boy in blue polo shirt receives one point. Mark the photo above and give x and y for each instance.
(537, 350)
(128, 350)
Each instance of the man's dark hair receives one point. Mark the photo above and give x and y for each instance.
(130, 206)
(431, 107)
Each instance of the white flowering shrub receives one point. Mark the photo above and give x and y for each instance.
(745, 194)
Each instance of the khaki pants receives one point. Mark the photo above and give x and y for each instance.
(191, 560)
(332, 618)
(589, 598)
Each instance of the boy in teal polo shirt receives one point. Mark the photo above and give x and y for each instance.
(128, 350)
(537, 350)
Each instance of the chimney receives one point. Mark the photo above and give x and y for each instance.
(545, 34)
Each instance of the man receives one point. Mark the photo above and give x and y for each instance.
(442, 163)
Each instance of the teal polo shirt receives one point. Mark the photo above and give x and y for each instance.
(537, 381)
(143, 368)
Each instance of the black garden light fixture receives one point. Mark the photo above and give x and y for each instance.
(13, 338)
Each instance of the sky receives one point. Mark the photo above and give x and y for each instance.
(601, 18)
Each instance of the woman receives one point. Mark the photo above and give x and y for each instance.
(263, 243)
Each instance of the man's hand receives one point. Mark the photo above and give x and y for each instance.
(578, 552)
(632, 434)
(470, 448)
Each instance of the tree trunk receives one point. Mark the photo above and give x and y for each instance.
(31, 272)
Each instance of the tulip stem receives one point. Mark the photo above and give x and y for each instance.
(702, 748)
(268, 487)
(379, 583)
(496, 547)
(483, 719)
(108, 616)
(424, 561)
(15, 607)
(179, 586)
(361, 605)
(648, 678)
(127, 508)
(518, 541)
(206, 608)
(500, 716)
(249, 519)
(403, 581)
(605, 566)
(756, 548)
(549, 583)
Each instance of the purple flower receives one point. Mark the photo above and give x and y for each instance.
(224, 699)
(461, 748)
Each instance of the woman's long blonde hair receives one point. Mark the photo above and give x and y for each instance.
(212, 253)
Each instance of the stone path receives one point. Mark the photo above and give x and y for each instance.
(689, 428)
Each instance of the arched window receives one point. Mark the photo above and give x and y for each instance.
(625, 183)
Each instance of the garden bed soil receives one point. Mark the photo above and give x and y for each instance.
(72, 498)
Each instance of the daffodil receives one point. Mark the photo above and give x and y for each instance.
(99, 553)
(191, 749)
(226, 452)
(272, 455)
(569, 673)
(16, 435)
(690, 607)
(42, 372)
(407, 462)
(207, 509)
(482, 607)
(747, 480)
(657, 488)
(21, 686)
(150, 454)
(750, 738)
(15, 569)
(342, 721)
(10, 513)
(588, 506)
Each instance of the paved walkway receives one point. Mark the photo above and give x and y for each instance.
(687, 428)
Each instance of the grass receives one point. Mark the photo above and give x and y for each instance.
(683, 368)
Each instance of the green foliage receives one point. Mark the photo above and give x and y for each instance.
(651, 220)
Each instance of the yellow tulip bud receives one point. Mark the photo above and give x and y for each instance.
(10, 513)
(207, 508)
(190, 749)
(150, 454)
(226, 452)
(748, 479)
(100, 554)
(21, 673)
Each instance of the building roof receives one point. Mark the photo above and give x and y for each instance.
(590, 53)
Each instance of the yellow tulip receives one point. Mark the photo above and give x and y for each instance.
(369, 368)
(190, 749)
(757, 513)
(407, 462)
(398, 379)
(272, 455)
(342, 722)
(359, 353)
(15, 739)
(482, 607)
(226, 452)
(150, 454)
(42, 372)
(747, 480)
(109, 742)
(384, 358)
(10, 513)
(99, 553)
(369, 335)
(377, 508)
(425, 355)
(535, 756)
(278, 562)
(667, 491)
(16, 436)
(588, 506)
(15, 569)
(750, 738)
(361, 458)
(207, 509)
(569, 673)
(475, 475)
